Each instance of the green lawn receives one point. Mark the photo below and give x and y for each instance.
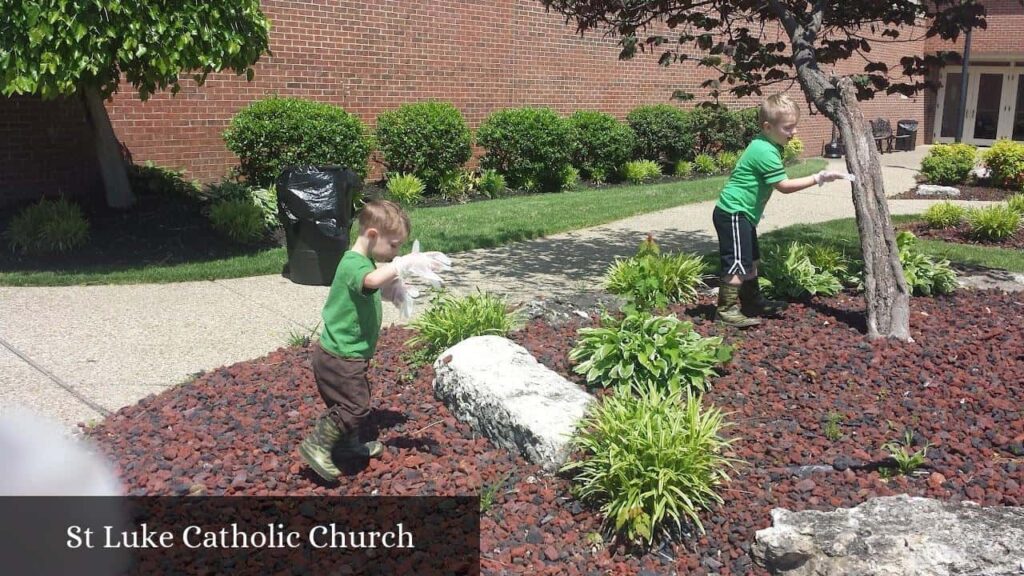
(842, 234)
(448, 229)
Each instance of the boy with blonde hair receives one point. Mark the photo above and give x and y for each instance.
(351, 325)
(740, 206)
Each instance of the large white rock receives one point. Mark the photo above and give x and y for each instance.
(934, 190)
(499, 389)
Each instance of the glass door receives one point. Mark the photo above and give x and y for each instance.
(948, 106)
(1016, 113)
(984, 107)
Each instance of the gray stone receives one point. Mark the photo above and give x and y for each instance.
(499, 389)
(933, 190)
(894, 536)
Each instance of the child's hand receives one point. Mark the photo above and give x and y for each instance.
(401, 296)
(831, 176)
(422, 264)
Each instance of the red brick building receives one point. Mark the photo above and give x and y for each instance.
(482, 55)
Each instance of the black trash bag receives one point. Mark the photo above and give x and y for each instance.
(316, 205)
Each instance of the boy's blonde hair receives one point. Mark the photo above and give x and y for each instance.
(385, 216)
(775, 107)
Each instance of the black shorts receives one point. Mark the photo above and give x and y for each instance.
(737, 243)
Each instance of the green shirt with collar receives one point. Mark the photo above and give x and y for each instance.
(352, 314)
(753, 179)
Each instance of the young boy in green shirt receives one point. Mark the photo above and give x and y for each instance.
(757, 174)
(351, 325)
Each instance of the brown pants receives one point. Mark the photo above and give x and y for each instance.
(343, 385)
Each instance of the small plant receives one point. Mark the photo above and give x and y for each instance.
(643, 350)
(1005, 161)
(491, 183)
(652, 461)
(949, 164)
(1016, 203)
(792, 273)
(944, 215)
(570, 178)
(924, 276)
(651, 280)
(148, 178)
(302, 339)
(831, 429)
(456, 186)
(906, 462)
(705, 165)
(406, 189)
(451, 319)
(51, 226)
(726, 161)
(240, 220)
(993, 223)
(791, 153)
(684, 169)
(488, 494)
(640, 171)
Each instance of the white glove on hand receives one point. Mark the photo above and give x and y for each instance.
(401, 296)
(831, 176)
(426, 265)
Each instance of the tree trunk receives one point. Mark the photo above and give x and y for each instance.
(885, 289)
(108, 152)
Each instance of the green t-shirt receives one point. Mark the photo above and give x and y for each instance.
(352, 315)
(753, 179)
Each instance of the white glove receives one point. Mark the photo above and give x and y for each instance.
(831, 176)
(426, 265)
(401, 296)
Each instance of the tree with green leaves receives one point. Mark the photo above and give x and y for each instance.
(83, 48)
(737, 39)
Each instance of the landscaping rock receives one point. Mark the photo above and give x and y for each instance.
(933, 190)
(894, 536)
(503, 393)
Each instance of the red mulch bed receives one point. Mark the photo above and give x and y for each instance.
(967, 192)
(961, 235)
(959, 386)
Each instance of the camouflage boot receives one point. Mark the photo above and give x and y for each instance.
(728, 311)
(316, 448)
(754, 303)
(351, 446)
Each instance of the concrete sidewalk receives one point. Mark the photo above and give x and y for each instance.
(77, 353)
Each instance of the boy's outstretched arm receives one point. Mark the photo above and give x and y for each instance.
(790, 185)
(380, 277)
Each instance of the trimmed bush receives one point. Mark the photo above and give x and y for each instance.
(662, 133)
(949, 164)
(652, 462)
(1005, 160)
(640, 171)
(791, 153)
(239, 220)
(451, 319)
(271, 134)
(531, 147)
(426, 139)
(726, 161)
(715, 128)
(749, 128)
(406, 189)
(705, 165)
(944, 215)
(51, 226)
(601, 144)
(993, 223)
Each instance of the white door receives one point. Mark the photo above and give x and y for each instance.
(995, 105)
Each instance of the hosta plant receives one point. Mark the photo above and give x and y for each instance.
(652, 461)
(792, 272)
(924, 276)
(643, 350)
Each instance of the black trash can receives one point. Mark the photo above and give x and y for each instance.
(315, 205)
(906, 135)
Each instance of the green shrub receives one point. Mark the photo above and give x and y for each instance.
(1005, 160)
(491, 183)
(652, 461)
(924, 276)
(51, 226)
(715, 129)
(705, 165)
(271, 134)
(726, 161)
(792, 273)
(263, 198)
(157, 180)
(529, 146)
(993, 223)
(651, 281)
(791, 153)
(406, 189)
(451, 319)
(240, 220)
(570, 178)
(601, 144)
(944, 215)
(426, 139)
(662, 133)
(1016, 203)
(640, 171)
(948, 164)
(749, 128)
(684, 169)
(266, 200)
(642, 351)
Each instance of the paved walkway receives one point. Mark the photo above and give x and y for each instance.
(77, 353)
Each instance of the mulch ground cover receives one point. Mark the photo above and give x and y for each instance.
(967, 192)
(962, 235)
(958, 386)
